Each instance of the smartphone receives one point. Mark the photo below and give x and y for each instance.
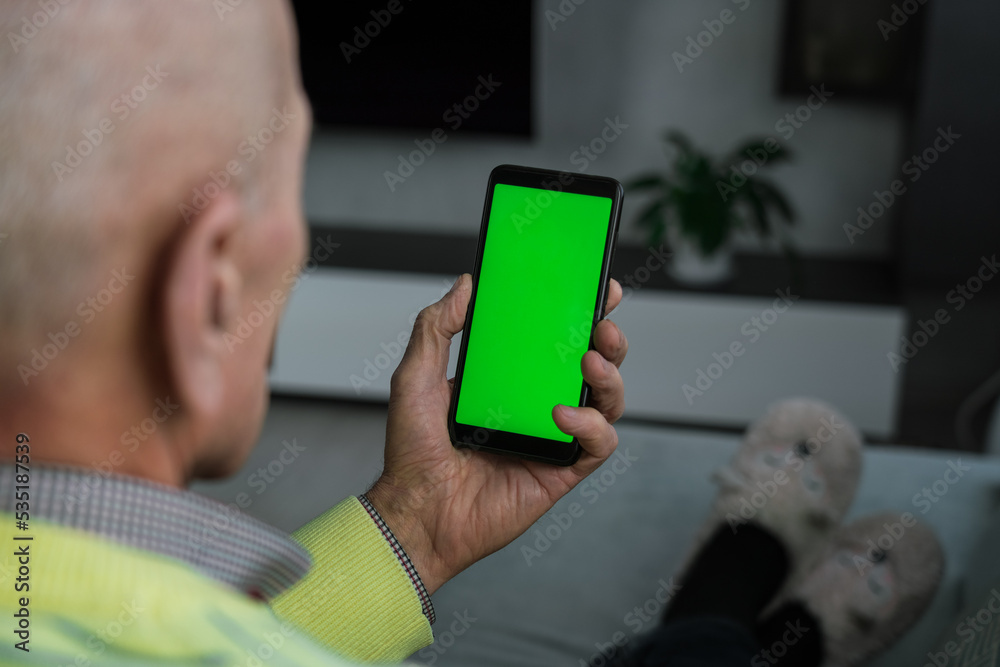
(539, 288)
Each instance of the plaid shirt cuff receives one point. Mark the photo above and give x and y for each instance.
(418, 585)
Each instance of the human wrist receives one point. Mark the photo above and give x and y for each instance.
(397, 508)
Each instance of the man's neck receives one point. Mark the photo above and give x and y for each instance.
(106, 437)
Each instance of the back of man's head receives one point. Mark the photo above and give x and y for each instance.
(140, 218)
(109, 111)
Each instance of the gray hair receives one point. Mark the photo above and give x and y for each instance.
(105, 104)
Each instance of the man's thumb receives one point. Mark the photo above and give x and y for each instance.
(427, 352)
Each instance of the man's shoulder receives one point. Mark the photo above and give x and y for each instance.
(79, 599)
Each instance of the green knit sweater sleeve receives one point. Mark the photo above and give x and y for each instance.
(356, 599)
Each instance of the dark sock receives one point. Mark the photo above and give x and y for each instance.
(791, 637)
(735, 575)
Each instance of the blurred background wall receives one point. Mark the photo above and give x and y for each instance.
(643, 67)
(614, 60)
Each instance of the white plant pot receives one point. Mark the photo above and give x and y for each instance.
(688, 266)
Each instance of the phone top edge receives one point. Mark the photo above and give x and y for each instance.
(565, 178)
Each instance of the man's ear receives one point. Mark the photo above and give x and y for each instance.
(201, 299)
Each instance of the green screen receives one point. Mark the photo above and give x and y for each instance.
(538, 285)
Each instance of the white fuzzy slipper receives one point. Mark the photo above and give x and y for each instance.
(795, 474)
(876, 578)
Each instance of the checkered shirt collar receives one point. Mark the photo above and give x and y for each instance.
(216, 539)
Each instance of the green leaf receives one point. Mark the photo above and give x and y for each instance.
(757, 150)
(653, 217)
(758, 213)
(680, 141)
(771, 196)
(657, 229)
(688, 197)
(715, 233)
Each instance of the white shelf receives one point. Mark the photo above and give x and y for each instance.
(339, 322)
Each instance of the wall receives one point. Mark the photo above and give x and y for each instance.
(613, 60)
(950, 215)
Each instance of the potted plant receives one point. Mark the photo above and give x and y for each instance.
(698, 204)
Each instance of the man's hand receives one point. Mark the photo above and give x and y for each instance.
(450, 507)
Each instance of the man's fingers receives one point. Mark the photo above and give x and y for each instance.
(607, 387)
(610, 341)
(427, 352)
(597, 437)
(614, 297)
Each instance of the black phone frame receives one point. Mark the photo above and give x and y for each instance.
(505, 442)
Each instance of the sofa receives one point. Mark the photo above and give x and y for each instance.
(572, 584)
(597, 569)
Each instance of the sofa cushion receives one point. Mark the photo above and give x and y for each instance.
(597, 568)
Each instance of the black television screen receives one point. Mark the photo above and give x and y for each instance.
(420, 65)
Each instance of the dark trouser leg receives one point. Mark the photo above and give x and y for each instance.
(713, 620)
